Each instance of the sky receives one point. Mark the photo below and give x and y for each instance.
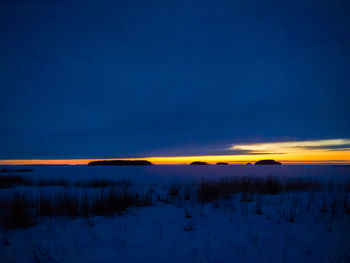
(134, 79)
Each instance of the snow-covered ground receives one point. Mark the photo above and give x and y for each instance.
(286, 227)
(169, 173)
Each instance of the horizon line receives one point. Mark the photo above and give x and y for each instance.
(286, 152)
(178, 160)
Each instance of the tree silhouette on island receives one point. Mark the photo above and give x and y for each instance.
(199, 163)
(121, 162)
(221, 163)
(267, 162)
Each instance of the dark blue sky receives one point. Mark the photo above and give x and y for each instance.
(83, 79)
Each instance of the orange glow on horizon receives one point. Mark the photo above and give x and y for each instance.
(291, 146)
(292, 152)
(305, 157)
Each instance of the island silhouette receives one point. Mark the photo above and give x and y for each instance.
(221, 163)
(199, 163)
(121, 162)
(267, 162)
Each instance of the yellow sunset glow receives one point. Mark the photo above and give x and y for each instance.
(305, 157)
(285, 152)
(289, 147)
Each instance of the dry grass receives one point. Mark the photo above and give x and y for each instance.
(101, 183)
(22, 211)
(53, 182)
(7, 181)
(212, 190)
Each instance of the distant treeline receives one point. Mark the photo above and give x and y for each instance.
(6, 170)
(261, 162)
(267, 162)
(145, 162)
(121, 162)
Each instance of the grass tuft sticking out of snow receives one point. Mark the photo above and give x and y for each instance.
(209, 191)
(22, 210)
(7, 181)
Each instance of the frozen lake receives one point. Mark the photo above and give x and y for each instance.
(169, 173)
(304, 225)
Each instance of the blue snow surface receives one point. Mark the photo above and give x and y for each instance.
(308, 226)
(173, 173)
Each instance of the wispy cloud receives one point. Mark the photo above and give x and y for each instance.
(315, 151)
(294, 146)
